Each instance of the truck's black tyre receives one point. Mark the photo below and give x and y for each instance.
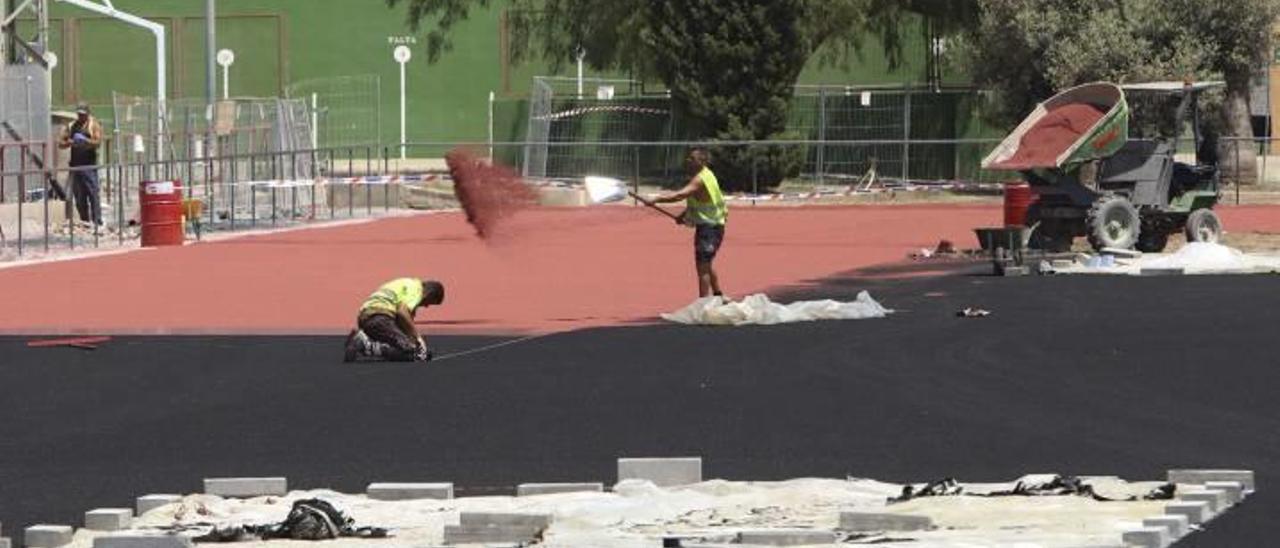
(1203, 225)
(1113, 222)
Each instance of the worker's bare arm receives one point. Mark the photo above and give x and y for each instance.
(692, 187)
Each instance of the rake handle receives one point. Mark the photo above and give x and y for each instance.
(649, 203)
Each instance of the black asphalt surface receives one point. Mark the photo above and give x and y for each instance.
(1075, 375)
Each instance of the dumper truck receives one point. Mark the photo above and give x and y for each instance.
(1093, 179)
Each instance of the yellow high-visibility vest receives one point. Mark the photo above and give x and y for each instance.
(389, 297)
(712, 211)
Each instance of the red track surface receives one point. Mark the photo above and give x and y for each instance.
(555, 269)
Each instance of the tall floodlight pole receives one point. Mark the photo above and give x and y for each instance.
(210, 46)
(402, 54)
(210, 73)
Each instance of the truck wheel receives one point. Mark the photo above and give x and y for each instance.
(1203, 226)
(1152, 241)
(1113, 222)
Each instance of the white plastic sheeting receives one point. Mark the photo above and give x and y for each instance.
(758, 309)
(1192, 258)
(1203, 257)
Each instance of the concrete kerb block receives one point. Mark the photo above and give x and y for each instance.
(787, 537)
(1177, 525)
(246, 487)
(510, 520)
(48, 536)
(663, 472)
(1217, 499)
(1148, 271)
(1196, 512)
(1245, 477)
(869, 522)
(108, 519)
(147, 503)
(1146, 537)
(459, 534)
(126, 540)
(409, 491)
(533, 489)
(1233, 489)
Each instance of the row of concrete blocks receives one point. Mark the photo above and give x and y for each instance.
(1217, 491)
(1222, 488)
(504, 528)
(664, 472)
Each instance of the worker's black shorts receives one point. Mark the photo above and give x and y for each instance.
(706, 242)
(383, 328)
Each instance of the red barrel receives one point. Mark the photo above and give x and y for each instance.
(1017, 199)
(161, 215)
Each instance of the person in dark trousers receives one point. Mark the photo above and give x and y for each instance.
(385, 327)
(83, 137)
(707, 212)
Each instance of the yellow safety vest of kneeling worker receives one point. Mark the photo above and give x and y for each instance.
(712, 211)
(387, 299)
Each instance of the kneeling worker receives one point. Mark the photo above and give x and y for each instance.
(385, 324)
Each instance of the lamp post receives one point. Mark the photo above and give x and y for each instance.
(402, 54)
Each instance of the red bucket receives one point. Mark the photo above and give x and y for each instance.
(1017, 199)
(161, 213)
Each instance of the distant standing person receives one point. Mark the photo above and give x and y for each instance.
(83, 137)
(707, 212)
(385, 327)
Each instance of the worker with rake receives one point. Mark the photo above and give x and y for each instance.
(707, 212)
(385, 327)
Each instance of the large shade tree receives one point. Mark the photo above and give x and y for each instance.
(1024, 51)
(731, 65)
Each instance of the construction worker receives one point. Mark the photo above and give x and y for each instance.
(385, 327)
(83, 137)
(706, 211)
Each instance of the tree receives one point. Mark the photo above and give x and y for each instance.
(1024, 51)
(1236, 37)
(731, 65)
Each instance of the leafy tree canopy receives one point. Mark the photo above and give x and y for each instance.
(730, 64)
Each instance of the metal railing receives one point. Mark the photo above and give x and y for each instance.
(221, 194)
(253, 191)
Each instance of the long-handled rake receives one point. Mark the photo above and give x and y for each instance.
(603, 190)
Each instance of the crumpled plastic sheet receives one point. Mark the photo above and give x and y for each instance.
(1202, 256)
(757, 309)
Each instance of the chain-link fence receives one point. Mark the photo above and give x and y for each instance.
(346, 110)
(918, 128)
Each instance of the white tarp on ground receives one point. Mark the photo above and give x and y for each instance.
(759, 310)
(1201, 256)
(1193, 258)
(638, 514)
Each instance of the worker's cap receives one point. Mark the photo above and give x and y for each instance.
(433, 292)
(82, 108)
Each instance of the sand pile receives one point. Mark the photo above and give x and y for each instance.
(1052, 135)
